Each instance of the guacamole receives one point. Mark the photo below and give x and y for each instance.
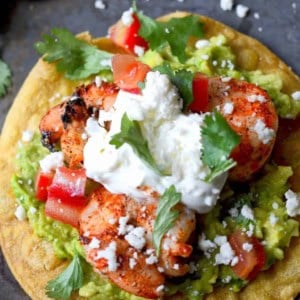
(270, 221)
(261, 197)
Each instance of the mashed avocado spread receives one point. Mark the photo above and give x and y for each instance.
(264, 197)
(261, 198)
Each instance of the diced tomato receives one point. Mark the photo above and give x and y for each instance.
(250, 262)
(64, 212)
(128, 37)
(42, 183)
(68, 185)
(128, 72)
(200, 94)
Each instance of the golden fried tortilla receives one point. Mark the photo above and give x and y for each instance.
(31, 260)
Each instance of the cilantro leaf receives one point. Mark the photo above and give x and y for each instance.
(182, 79)
(5, 78)
(131, 134)
(69, 280)
(175, 33)
(218, 141)
(75, 58)
(165, 215)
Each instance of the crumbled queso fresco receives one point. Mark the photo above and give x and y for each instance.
(264, 133)
(174, 141)
(226, 4)
(241, 10)
(296, 95)
(52, 161)
(27, 136)
(110, 255)
(20, 213)
(127, 18)
(292, 203)
(225, 256)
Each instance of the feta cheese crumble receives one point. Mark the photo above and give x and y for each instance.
(296, 95)
(264, 133)
(247, 212)
(127, 17)
(228, 108)
(247, 247)
(98, 81)
(226, 4)
(27, 135)
(292, 203)
(250, 230)
(234, 261)
(32, 210)
(122, 230)
(273, 219)
(52, 161)
(132, 263)
(136, 238)
(225, 256)
(233, 212)
(160, 288)
(94, 243)
(258, 98)
(226, 79)
(227, 279)
(138, 50)
(152, 259)
(20, 213)
(206, 246)
(256, 15)
(110, 255)
(99, 4)
(220, 240)
(202, 44)
(241, 10)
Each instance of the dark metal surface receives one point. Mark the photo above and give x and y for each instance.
(278, 27)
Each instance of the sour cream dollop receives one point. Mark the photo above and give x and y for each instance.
(174, 140)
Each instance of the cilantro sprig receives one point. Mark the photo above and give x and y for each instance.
(182, 79)
(166, 215)
(5, 78)
(131, 134)
(75, 58)
(69, 280)
(218, 142)
(174, 33)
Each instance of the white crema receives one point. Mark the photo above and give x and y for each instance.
(174, 141)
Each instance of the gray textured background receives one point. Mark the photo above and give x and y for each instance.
(279, 21)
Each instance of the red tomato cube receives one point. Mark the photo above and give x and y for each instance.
(128, 37)
(42, 183)
(68, 185)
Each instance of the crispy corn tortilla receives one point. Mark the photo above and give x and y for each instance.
(31, 260)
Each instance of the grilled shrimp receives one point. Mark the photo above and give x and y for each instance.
(71, 141)
(116, 232)
(64, 124)
(100, 97)
(51, 126)
(250, 112)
